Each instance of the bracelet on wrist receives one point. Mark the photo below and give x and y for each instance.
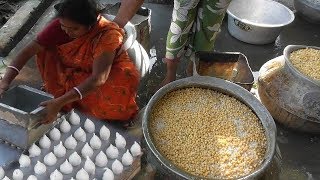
(14, 68)
(78, 91)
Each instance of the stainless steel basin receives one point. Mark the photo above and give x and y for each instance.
(224, 87)
(257, 21)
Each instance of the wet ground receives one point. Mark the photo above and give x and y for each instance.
(300, 152)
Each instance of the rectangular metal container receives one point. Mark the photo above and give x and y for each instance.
(231, 66)
(20, 115)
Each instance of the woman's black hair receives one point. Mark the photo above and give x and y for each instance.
(84, 12)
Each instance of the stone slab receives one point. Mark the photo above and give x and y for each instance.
(20, 24)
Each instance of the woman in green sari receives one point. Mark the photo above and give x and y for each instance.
(194, 27)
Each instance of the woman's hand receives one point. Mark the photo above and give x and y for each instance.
(18, 62)
(127, 10)
(3, 87)
(52, 108)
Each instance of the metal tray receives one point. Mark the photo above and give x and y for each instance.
(105, 144)
(8, 153)
(231, 66)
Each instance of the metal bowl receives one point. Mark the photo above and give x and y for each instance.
(257, 21)
(222, 86)
(308, 9)
(287, 51)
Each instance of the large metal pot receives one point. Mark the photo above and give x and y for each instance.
(224, 87)
(257, 21)
(292, 98)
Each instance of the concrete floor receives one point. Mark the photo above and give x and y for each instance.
(300, 152)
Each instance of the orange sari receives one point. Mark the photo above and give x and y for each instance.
(65, 66)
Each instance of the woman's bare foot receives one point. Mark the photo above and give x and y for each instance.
(172, 65)
(168, 79)
(189, 70)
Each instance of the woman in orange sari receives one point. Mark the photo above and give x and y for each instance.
(81, 63)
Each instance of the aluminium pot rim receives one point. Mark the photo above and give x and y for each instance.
(287, 51)
(265, 25)
(225, 87)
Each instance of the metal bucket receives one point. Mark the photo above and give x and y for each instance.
(257, 21)
(292, 98)
(223, 87)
